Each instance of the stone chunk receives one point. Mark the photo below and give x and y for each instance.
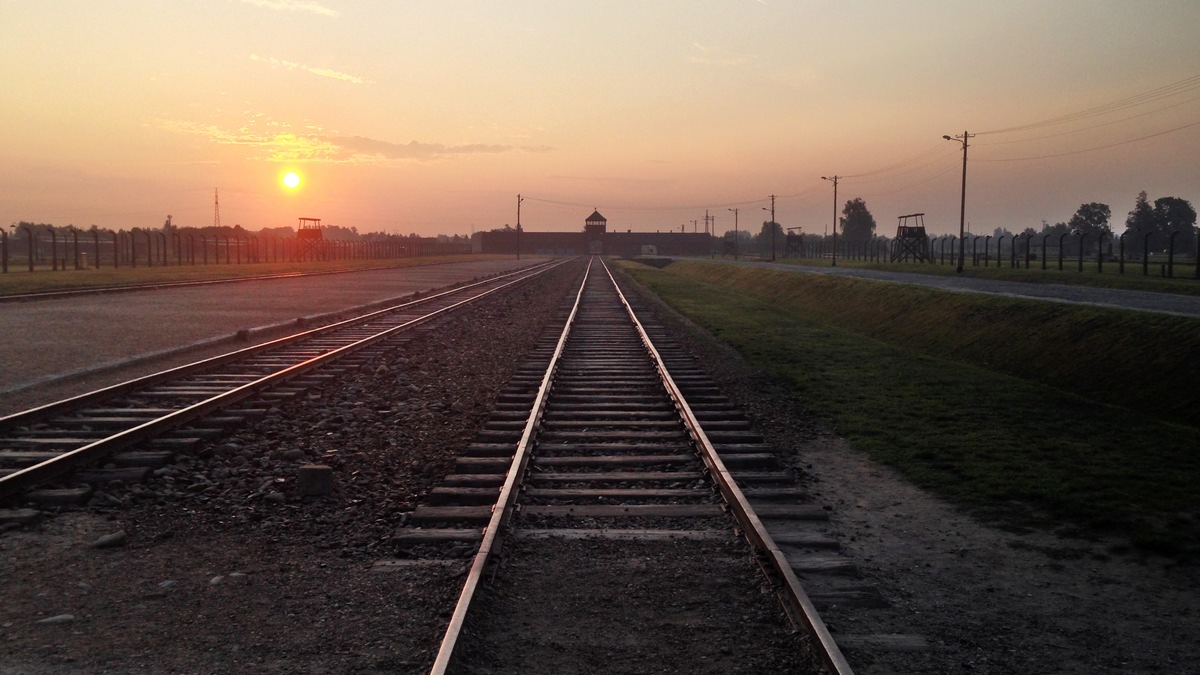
(315, 480)
(111, 540)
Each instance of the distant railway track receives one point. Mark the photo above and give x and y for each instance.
(141, 422)
(610, 433)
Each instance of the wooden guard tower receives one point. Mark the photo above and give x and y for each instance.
(310, 240)
(794, 247)
(911, 242)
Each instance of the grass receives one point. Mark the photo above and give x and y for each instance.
(1011, 449)
(1184, 282)
(20, 280)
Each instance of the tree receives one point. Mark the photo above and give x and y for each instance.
(1169, 214)
(1172, 214)
(1091, 219)
(857, 222)
(764, 238)
(1142, 216)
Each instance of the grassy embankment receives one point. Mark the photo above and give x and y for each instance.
(1027, 413)
(1184, 282)
(20, 280)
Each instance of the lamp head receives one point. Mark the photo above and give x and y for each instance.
(947, 138)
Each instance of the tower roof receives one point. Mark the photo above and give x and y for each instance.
(596, 216)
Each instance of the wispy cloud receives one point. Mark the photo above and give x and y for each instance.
(293, 6)
(368, 147)
(323, 72)
(277, 142)
(719, 57)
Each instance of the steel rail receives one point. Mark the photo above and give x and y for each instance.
(752, 526)
(121, 388)
(34, 296)
(56, 466)
(508, 493)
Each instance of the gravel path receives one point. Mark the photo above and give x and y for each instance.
(1142, 301)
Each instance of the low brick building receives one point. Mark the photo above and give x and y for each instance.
(595, 237)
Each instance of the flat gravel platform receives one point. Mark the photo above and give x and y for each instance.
(85, 336)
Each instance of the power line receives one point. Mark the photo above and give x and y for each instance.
(677, 207)
(1100, 147)
(1094, 126)
(937, 149)
(1165, 91)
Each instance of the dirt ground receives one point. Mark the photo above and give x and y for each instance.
(224, 569)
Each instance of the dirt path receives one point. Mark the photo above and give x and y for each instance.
(1142, 301)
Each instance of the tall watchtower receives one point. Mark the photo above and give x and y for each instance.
(593, 230)
(310, 240)
(911, 242)
(595, 224)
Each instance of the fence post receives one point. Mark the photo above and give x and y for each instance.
(1146, 254)
(1171, 255)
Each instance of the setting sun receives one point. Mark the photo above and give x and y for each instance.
(291, 179)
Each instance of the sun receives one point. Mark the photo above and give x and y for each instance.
(291, 179)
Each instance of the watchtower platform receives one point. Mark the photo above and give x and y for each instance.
(911, 242)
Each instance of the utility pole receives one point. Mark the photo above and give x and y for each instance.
(735, 233)
(695, 226)
(773, 226)
(962, 204)
(835, 203)
(519, 200)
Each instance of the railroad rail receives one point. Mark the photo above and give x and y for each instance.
(162, 412)
(609, 432)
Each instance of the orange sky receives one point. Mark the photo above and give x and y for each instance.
(432, 117)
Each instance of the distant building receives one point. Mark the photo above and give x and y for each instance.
(595, 238)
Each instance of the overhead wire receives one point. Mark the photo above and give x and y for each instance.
(1080, 152)
(1165, 91)
(1094, 126)
(937, 152)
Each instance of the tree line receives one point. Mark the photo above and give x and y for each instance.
(1147, 224)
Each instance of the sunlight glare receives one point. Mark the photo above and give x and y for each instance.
(291, 179)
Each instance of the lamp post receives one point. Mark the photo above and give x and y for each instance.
(519, 200)
(772, 210)
(962, 208)
(735, 233)
(834, 180)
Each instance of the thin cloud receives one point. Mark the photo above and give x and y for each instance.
(278, 143)
(293, 6)
(369, 147)
(322, 72)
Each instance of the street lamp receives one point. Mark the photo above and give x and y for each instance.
(962, 208)
(735, 232)
(834, 180)
(772, 209)
(519, 200)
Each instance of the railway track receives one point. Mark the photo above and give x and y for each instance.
(611, 448)
(141, 423)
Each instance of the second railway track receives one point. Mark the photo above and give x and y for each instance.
(150, 418)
